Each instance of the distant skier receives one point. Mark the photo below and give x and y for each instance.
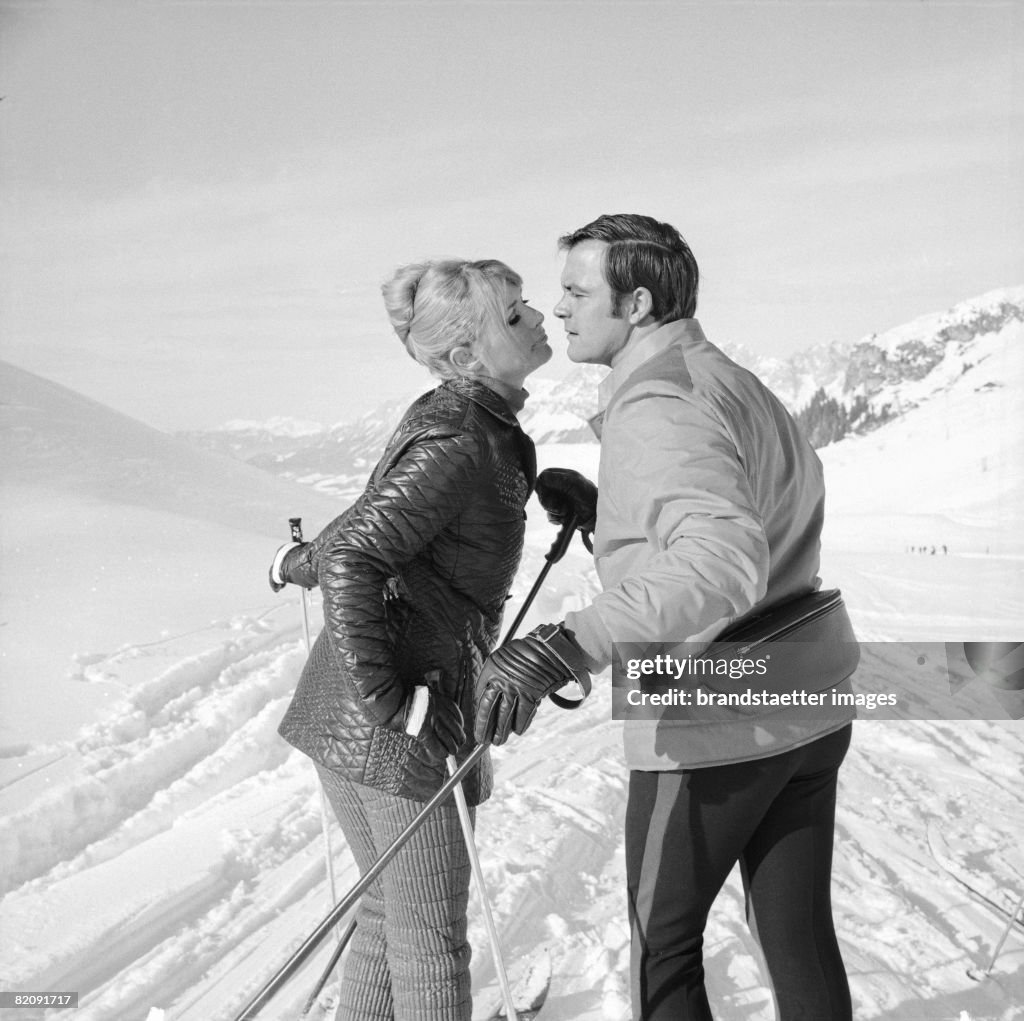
(710, 509)
(415, 576)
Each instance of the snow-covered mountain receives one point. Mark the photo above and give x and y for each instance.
(834, 390)
(854, 387)
(334, 460)
(112, 531)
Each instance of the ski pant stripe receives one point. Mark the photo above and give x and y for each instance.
(686, 829)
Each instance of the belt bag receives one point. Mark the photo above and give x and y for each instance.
(810, 641)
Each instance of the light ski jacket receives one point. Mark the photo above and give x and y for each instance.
(710, 508)
(414, 575)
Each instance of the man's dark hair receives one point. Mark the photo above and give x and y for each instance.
(643, 252)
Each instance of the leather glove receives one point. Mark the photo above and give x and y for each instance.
(516, 677)
(435, 721)
(278, 573)
(563, 492)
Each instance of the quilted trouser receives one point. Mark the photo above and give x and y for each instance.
(409, 957)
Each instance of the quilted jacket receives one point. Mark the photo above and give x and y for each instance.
(414, 577)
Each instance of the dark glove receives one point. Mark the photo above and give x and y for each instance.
(563, 493)
(435, 721)
(278, 573)
(516, 677)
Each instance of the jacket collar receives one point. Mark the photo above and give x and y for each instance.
(685, 332)
(480, 393)
(682, 331)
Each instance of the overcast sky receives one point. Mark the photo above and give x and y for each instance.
(201, 199)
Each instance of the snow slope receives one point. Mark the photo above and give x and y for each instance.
(114, 533)
(160, 846)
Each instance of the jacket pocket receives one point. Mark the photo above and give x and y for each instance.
(394, 765)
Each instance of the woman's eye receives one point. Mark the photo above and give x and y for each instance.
(515, 319)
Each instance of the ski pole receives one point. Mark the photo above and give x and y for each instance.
(553, 555)
(346, 936)
(478, 878)
(316, 937)
(295, 524)
(1002, 939)
(557, 551)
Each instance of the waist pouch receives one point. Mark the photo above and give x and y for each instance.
(810, 641)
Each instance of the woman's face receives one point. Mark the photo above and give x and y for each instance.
(511, 355)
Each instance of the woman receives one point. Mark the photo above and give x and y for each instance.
(414, 576)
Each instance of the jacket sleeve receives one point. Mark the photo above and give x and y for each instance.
(670, 468)
(393, 521)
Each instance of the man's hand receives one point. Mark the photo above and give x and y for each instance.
(565, 493)
(517, 677)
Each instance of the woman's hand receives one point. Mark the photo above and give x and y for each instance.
(278, 574)
(435, 722)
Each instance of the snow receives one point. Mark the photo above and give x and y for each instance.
(160, 847)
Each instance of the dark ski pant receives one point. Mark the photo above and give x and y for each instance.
(409, 957)
(686, 829)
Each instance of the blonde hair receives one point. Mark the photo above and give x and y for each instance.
(440, 305)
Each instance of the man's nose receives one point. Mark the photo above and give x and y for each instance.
(560, 311)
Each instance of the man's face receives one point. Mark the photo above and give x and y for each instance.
(586, 308)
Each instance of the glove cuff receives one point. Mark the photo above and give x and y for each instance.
(560, 643)
(416, 710)
(275, 567)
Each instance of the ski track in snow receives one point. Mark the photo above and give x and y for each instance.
(181, 861)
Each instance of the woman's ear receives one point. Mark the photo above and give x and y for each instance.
(463, 359)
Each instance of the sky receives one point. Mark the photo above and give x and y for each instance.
(199, 201)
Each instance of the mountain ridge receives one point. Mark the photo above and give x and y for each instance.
(833, 390)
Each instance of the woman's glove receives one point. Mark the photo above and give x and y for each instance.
(278, 574)
(435, 722)
(516, 678)
(563, 493)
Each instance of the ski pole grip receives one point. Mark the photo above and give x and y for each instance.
(296, 526)
(562, 540)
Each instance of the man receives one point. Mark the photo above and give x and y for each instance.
(709, 510)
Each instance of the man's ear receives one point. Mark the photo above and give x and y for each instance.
(639, 306)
